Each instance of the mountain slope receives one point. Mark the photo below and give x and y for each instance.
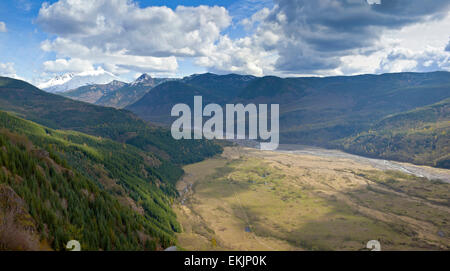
(226, 86)
(156, 105)
(130, 93)
(92, 93)
(420, 136)
(124, 157)
(74, 188)
(115, 94)
(58, 112)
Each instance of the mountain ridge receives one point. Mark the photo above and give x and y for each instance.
(318, 111)
(121, 125)
(115, 95)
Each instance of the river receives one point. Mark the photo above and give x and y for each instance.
(416, 170)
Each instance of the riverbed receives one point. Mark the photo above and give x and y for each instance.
(430, 173)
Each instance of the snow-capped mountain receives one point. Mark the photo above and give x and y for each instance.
(56, 81)
(70, 81)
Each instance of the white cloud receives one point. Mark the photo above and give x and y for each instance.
(125, 36)
(7, 70)
(419, 47)
(71, 65)
(3, 27)
(238, 56)
(327, 37)
(256, 18)
(253, 54)
(403, 59)
(115, 62)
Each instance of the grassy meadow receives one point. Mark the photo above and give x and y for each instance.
(252, 200)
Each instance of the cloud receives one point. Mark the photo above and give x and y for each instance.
(124, 35)
(316, 34)
(242, 56)
(24, 5)
(115, 62)
(402, 60)
(71, 65)
(325, 37)
(7, 70)
(255, 19)
(334, 37)
(3, 27)
(447, 48)
(241, 9)
(253, 54)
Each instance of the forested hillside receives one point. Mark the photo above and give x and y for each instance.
(109, 184)
(421, 136)
(81, 187)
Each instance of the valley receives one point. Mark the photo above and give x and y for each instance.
(247, 199)
(68, 165)
(397, 116)
(231, 126)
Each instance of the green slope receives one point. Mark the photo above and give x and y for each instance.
(120, 125)
(105, 194)
(420, 136)
(135, 163)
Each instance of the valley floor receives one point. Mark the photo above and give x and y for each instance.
(248, 199)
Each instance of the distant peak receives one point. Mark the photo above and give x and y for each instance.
(144, 78)
(69, 81)
(210, 75)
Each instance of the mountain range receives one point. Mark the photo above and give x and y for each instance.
(115, 94)
(335, 112)
(343, 112)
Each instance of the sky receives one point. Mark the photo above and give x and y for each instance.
(42, 39)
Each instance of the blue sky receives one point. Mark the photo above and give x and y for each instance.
(261, 37)
(21, 43)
